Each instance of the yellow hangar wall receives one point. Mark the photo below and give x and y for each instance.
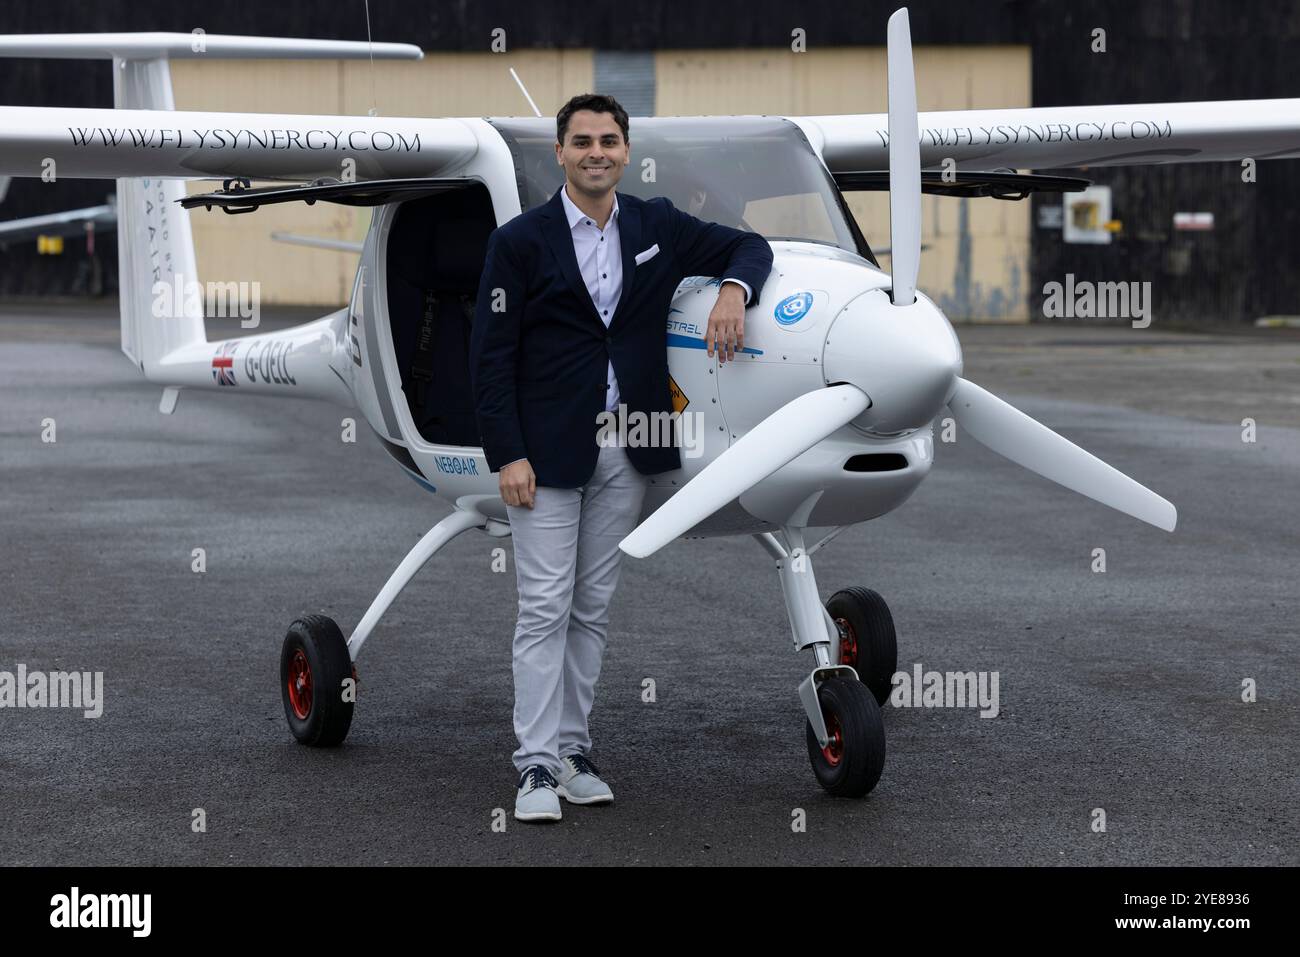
(976, 264)
(240, 248)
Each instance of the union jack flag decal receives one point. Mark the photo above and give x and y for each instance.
(223, 364)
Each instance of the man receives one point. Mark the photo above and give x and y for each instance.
(569, 325)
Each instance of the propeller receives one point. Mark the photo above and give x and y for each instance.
(1027, 442)
(779, 439)
(904, 163)
(899, 359)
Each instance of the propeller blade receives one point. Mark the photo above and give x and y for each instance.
(1009, 432)
(779, 439)
(904, 163)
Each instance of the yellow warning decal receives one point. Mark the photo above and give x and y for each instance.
(680, 402)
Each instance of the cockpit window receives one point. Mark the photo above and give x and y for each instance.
(749, 172)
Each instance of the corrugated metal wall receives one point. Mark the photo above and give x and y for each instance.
(1168, 51)
(629, 77)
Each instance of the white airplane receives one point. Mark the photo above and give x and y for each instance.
(823, 420)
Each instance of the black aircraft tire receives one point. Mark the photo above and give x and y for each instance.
(869, 644)
(314, 666)
(851, 763)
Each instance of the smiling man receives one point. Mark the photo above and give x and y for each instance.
(569, 326)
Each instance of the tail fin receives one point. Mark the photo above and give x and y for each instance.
(156, 261)
(155, 246)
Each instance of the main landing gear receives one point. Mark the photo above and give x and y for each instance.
(318, 680)
(853, 641)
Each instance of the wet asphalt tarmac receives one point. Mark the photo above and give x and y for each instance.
(1120, 691)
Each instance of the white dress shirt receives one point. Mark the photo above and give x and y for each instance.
(600, 260)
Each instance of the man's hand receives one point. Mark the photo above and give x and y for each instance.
(518, 483)
(727, 322)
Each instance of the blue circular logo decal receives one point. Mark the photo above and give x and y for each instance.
(793, 308)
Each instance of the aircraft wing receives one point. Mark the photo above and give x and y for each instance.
(1056, 137)
(196, 45)
(145, 137)
(172, 144)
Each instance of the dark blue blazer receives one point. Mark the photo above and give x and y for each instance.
(538, 349)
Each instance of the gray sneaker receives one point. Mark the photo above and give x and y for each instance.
(536, 800)
(580, 782)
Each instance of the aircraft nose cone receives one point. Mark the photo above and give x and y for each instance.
(906, 358)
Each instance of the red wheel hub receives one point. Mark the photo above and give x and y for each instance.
(300, 684)
(834, 750)
(848, 643)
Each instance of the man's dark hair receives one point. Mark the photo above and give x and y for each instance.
(597, 103)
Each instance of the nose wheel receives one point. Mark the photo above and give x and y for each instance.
(314, 668)
(867, 640)
(851, 762)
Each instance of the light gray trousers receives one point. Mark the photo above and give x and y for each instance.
(566, 565)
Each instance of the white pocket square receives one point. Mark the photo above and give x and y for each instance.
(648, 254)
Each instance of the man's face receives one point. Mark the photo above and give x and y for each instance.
(593, 153)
